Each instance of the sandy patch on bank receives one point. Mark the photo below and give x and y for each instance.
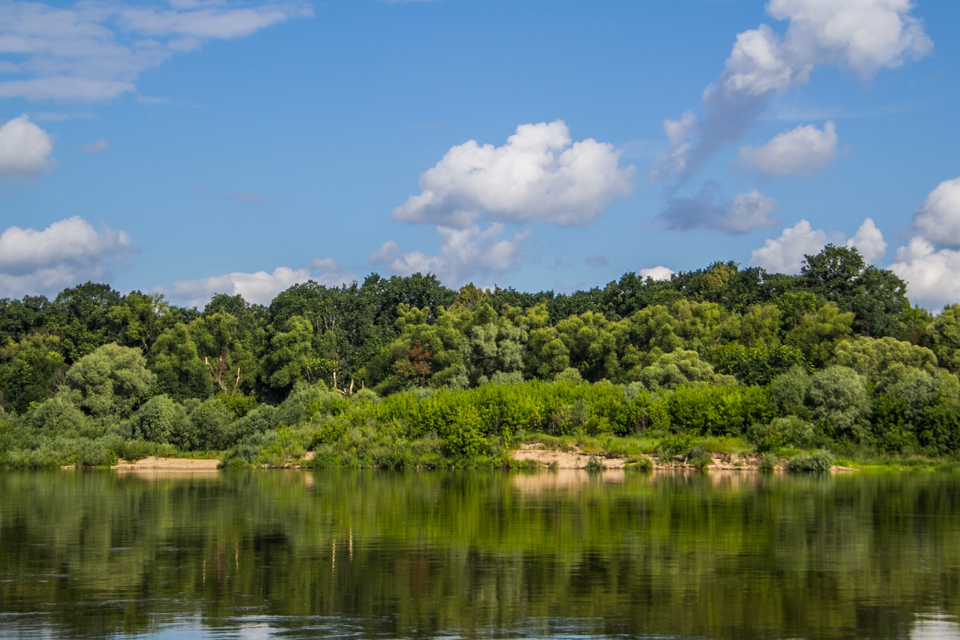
(153, 463)
(565, 459)
(576, 459)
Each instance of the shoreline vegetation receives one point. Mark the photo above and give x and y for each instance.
(717, 368)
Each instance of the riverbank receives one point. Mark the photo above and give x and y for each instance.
(567, 454)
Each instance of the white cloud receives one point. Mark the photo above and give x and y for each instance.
(869, 241)
(25, 149)
(786, 253)
(860, 35)
(939, 217)
(674, 159)
(799, 151)
(95, 50)
(932, 275)
(63, 254)
(464, 253)
(95, 147)
(746, 212)
(538, 175)
(260, 287)
(657, 273)
(930, 262)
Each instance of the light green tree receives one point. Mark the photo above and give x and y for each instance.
(112, 382)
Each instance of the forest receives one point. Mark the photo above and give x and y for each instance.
(405, 372)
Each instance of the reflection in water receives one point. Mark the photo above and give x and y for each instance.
(936, 627)
(378, 554)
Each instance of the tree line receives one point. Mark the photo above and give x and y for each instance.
(834, 354)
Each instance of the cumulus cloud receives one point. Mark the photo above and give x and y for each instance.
(939, 217)
(656, 273)
(860, 35)
(63, 254)
(259, 287)
(464, 254)
(95, 147)
(869, 241)
(786, 253)
(932, 275)
(96, 50)
(930, 263)
(538, 175)
(798, 152)
(746, 212)
(25, 149)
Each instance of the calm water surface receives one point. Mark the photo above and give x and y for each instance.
(408, 555)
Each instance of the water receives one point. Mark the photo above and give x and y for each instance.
(371, 554)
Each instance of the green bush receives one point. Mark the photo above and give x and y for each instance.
(162, 419)
(594, 464)
(768, 462)
(638, 463)
(59, 413)
(209, 425)
(818, 462)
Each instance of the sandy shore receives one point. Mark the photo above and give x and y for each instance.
(153, 463)
(575, 459)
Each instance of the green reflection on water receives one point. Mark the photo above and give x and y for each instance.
(478, 554)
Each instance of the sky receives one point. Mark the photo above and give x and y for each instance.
(194, 147)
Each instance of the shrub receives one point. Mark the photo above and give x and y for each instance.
(161, 419)
(818, 462)
(209, 425)
(768, 462)
(699, 457)
(594, 465)
(58, 413)
(794, 432)
(259, 420)
(639, 463)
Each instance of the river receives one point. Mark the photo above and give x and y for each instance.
(370, 554)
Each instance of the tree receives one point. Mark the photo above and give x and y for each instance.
(680, 367)
(871, 357)
(80, 317)
(291, 357)
(139, 319)
(230, 349)
(817, 334)
(943, 338)
(877, 298)
(30, 371)
(112, 382)
(838, 401)
(180, 370)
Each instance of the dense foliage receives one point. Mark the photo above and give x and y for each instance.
(833, 356)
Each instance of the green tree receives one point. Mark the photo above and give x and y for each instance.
(112, 382)
(30, 371)
(180, 370)
(943, 338)
(80, 317)
(839, 403)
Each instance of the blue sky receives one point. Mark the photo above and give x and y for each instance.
(199, 146)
